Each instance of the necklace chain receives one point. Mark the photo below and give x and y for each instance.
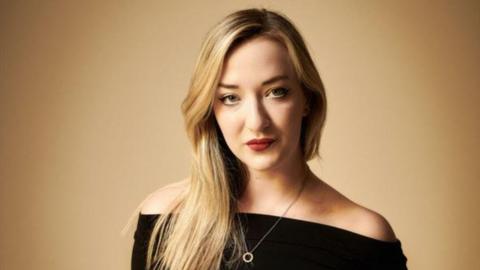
(248, 256)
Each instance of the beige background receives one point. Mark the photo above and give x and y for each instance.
(90, 119)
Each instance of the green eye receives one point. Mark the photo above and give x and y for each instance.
(232, 99)
(227, 97)
(280, 91)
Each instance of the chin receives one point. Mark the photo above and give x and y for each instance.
(261, 163)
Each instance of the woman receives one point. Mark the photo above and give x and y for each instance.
(254, 114)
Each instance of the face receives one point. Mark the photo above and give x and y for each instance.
(259, 96)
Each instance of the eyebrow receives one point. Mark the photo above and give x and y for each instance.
(269, 81)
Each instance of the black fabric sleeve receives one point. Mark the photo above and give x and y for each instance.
(142, 235)
(391, 258)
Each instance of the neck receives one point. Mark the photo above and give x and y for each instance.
(271, 191)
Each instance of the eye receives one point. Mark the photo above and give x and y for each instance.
(280, 92)
(277, 93)
(226, 97)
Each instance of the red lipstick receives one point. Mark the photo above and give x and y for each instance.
(260, 144)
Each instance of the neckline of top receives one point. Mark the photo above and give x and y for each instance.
(311, 225)
(323, 225)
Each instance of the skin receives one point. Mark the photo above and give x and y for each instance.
(246, 109)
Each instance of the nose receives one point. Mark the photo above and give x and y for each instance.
(257, 118)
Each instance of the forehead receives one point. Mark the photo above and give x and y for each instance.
(255, 61)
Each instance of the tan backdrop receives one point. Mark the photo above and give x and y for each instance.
(90, 119)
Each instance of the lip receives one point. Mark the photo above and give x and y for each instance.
(260, 141)
(261, 146)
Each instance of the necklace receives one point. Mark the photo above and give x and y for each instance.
(248, 256)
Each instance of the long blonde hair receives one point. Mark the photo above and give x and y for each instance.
(203, 227)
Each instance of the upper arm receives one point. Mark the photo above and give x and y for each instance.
(160, 200)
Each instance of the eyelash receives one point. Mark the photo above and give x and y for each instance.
(286, 91)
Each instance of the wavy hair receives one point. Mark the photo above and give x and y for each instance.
(200, 231)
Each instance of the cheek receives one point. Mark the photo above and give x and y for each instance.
(287, 117)
(228, 125)
(288, 122)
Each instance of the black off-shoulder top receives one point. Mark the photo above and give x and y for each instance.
(295, 245)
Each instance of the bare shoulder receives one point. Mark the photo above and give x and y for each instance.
(158, 201)
(369, 223)
(339, 211)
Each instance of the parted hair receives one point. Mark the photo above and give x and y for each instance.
(199, 230)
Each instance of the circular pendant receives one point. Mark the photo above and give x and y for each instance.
(247, 257)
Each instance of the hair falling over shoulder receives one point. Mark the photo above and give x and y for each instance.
(203, 226)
